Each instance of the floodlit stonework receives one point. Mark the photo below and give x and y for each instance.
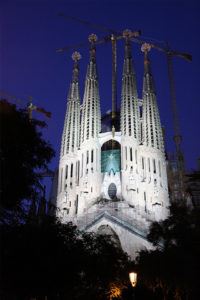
(113, 178)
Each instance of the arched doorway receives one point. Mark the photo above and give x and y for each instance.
(107, 230)
(111, 157)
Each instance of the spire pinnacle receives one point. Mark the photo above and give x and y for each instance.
(129, 102)
(148, 83)
(145, 49)
(91, 70)
(127, 68)
(76, 56)
(70, 138)
(92, 39)
(127, 34)
(91, 115)
(152, 131)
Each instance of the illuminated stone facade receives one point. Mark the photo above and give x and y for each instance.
(113, 178)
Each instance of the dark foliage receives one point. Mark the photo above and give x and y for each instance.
(24, 154)
(56, 260)
(174, 266)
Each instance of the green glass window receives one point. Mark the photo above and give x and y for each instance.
(110, 160)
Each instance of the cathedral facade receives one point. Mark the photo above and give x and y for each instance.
(112, 170)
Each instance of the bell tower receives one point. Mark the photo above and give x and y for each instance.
(67, 179)
(130, 127)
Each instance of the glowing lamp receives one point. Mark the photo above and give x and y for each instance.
(133, 278)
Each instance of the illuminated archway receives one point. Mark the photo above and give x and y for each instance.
(107, 230)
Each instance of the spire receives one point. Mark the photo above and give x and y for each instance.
(70, 137)
(91, 116)
(76, 57)
(129, 103)
(148, 83)
(128, 68)
(92, 39)
(152, 132)
(92, 70)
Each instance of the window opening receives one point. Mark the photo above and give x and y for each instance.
(66, 172)
(92, 156)
(71, 170)
(154, 166)
(131, 154)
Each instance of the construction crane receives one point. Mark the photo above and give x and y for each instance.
(31, 107)
(112, 37)
(176, 124)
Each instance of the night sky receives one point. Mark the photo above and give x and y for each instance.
(32, 30)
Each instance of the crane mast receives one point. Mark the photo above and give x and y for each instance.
(180, 189)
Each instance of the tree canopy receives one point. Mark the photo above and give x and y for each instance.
(173, 267)
(58, 261)
(24, 154)
(41, 257)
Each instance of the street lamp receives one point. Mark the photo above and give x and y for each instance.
(133, 278)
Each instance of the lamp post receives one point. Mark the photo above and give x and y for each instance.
(133, 280)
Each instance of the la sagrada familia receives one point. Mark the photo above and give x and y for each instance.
(112, 174)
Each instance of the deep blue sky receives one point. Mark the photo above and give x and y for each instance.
(30, 31)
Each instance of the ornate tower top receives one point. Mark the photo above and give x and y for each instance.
(152, 131)
(90, 125)
(71, 132)
(92, 39)
(145, 49)
(76, 56)
(129, 101)
(148, 84)
(127, 34)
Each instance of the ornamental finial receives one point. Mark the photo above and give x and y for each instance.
(76, 56)
(127, 35)
(146, 47)
(92, 38)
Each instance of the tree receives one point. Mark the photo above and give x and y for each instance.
(173, 267)
(58, 261)
(43, 257)
(105, 266)
(24, 155)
